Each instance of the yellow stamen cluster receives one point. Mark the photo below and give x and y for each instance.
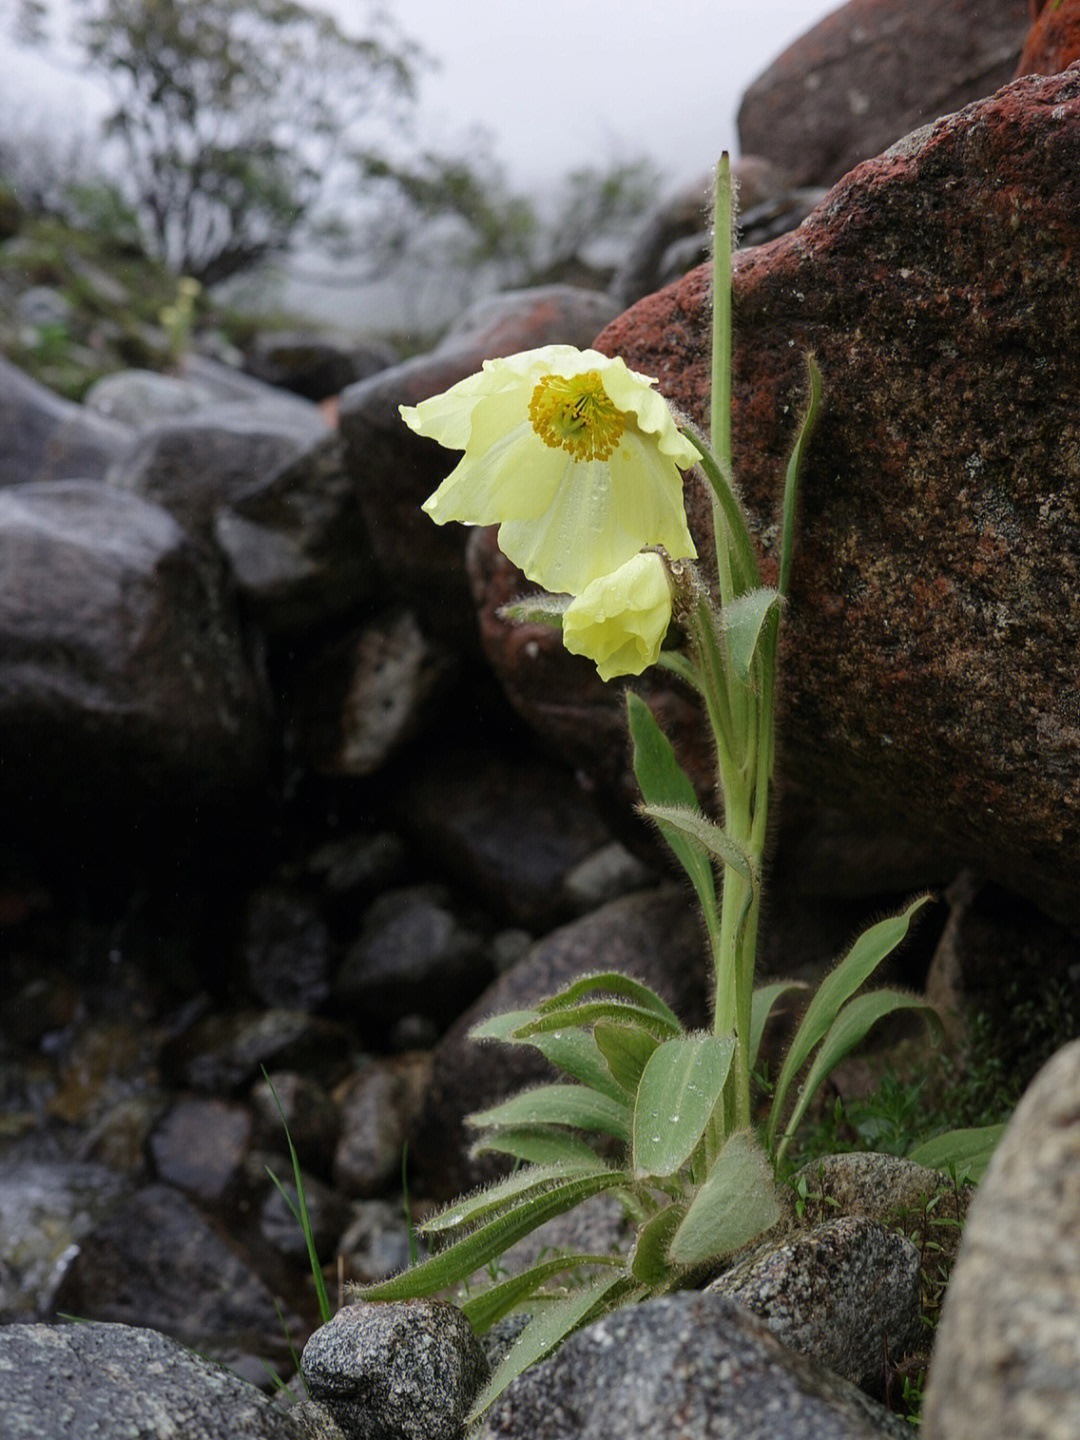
(575, 413)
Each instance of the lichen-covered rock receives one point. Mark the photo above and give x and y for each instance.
(409, 1370)
(846, 1292)
(1007, 1350)
(115, 1382)
(869, 72)
(685, 1367)
(928, 660)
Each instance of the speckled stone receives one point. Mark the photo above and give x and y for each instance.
(846, 1292)
(116, 1382)
(408, 1371)
(1007, 1354)
(876, 1186)
(692, 1366)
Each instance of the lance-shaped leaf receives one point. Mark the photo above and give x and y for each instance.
(458, 1261)
(610, 982)
(573, 1105)
(663, 781)
(741, 622)
(854, 1022)
(568, 1046)
(494, 1199)
(537, 1146)
(704, 833)
(791, 481)
(963, 1152)
(734, 1205)
(490, 1305)
(678, 1092)
(626, 1048)
(761, 1007)
(548, 1329)
(649, 1261)
(838, 986)
(590, 1011)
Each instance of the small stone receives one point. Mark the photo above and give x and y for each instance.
(409, 1370)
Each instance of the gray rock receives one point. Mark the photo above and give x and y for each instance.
(878, 1187)
(116, 1382)
(872, 70)
(314, 364)
(362, 699)
(140, 398)
(313, 1118)
(375, 1244)
(606, 875)
(327, 1211)
(153, 1260)
(124, 673)
(286, 950)
(685, 1367)
(201, 1146)
(194, 466)
(41, 306)
(226, 1053)
(846, 1292)
(45, 1211)
(44, 437)
(297, 542)
(409, 1370)
(1007, 1352)
(413, 956)
(378, 1109)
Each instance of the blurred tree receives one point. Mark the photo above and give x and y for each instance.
(233, 115)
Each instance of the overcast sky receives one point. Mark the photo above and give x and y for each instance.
(558, 84)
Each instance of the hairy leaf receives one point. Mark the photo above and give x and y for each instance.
(505, 1194)
(458, 1261)
(734, 1205)
(742, 620)
(573, 1105)
(677, 1094)
(963, 1152)
(613, 983)
(761, 1006)
(626, 1048)
(537, 1146)
(693, 826)
(490, 1305)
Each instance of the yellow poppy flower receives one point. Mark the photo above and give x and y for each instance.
(573, 455)
(620, 620)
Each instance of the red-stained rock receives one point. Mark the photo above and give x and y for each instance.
(929, 667)
(870, 72)
(1053, 42)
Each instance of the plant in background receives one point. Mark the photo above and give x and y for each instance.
(577, 459)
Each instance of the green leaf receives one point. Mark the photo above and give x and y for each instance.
(761, 1006)
(838, 986)
(567, 1045)
(649, 1262)
(965, 1152)
(626, 1048)
(590, 1011)
(791, 481)
(458, 1261)
(734, 1205)
(613, 983)
(537, 1146)
(663, 781)
(704, 833)
(549, 1328)
(678, 1093)
(490, 1305)
(505, 1194)
(854, 1022)
(741, 622)
(573, 1105)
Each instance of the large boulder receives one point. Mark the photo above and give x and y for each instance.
(1008, 1343)
(928, 666)
(124, 675)
(871, 71)
(45, 437)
